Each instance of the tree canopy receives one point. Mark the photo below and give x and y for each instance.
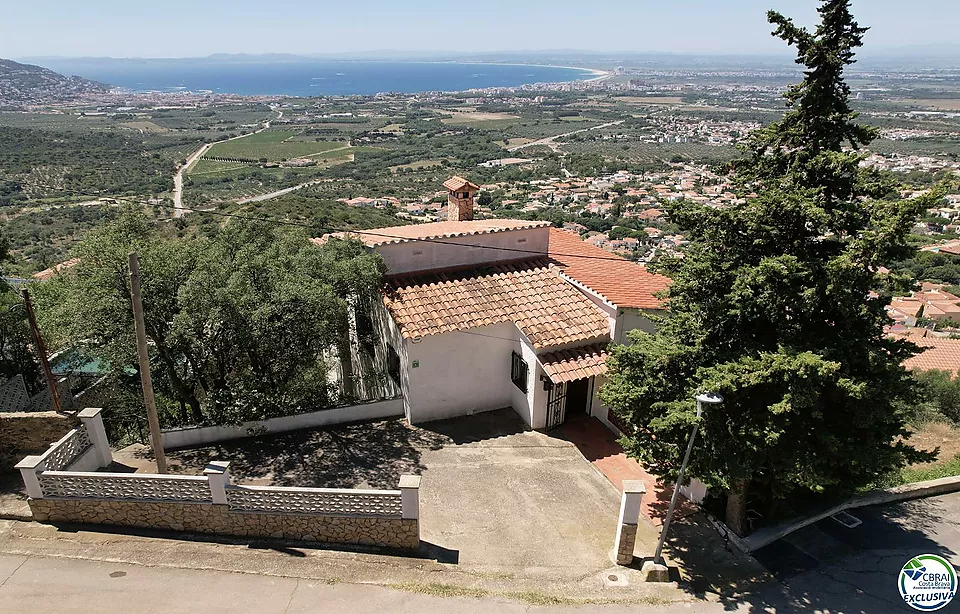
(778, 305)
(239, 322)
(17, 354)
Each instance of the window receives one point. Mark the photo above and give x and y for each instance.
(393, 364)
(518, 372)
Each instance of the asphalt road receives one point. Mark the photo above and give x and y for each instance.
(825, 568)
(831, 568)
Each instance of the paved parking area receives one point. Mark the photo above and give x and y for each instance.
(496, 496)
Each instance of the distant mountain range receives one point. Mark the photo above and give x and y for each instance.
(25, 84)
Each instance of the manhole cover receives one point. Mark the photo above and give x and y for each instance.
(612, 578)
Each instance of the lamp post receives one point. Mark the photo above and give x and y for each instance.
(710, 399)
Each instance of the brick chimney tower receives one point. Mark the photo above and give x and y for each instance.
(460, 200)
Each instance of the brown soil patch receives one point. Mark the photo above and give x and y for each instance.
(942, 434)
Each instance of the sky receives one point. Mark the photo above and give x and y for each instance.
(194, 28)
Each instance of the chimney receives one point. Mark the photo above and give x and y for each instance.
(460, 199)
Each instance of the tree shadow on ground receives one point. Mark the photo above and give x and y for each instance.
(828, 569)
(478, 427)
(360, 455)
(11, 485)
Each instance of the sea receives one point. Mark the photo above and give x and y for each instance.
(306, 77)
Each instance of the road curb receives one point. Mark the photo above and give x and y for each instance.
(905, 492)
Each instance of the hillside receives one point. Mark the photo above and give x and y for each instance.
(25, 84)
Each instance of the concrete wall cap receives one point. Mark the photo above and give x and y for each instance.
(216, 467)
(90, 412)
(409, 481)
(29, 462)
(634, 486)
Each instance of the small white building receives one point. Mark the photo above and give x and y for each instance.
(478, 315)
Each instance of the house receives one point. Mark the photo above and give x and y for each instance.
(46, 274)
(478, 315)
(938, 353)
(931, 302)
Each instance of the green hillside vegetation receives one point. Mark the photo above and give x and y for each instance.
(41, 239)
(322, 214)
(46, 164)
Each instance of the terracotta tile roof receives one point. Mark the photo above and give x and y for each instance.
(456, 184)
(623, 283)
(48, 273)
(942, 354)
(575, 363)
(950, 247)
(547, 309)
(434, 230)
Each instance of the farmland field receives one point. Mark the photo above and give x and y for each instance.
(945, 104)
(272, 145)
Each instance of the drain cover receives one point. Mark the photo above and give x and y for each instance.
(848, 520)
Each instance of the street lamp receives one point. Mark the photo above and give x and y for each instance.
(710, 399)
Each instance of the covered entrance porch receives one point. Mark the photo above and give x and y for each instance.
(572, 382)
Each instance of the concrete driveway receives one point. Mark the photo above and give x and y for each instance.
(509, 499)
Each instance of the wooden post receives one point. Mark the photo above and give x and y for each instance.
(145, 380)
(41, 350)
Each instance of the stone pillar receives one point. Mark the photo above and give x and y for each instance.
(633, 491)
(28, 471)
(410, 501)
(410, 496)
(218, 477)
(93, 421)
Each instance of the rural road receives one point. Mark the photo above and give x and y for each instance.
(178, 210)
(261, 197)
(548, 141)
(178, 178)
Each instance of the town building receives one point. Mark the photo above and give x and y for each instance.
(478, 315)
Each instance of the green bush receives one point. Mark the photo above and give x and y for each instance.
(942, 393)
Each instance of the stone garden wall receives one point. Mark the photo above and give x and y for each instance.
(218, 519)
(64, 485)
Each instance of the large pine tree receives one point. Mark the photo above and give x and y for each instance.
(779, 306)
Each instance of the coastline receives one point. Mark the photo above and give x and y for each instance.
(596, 72)
(582, 74)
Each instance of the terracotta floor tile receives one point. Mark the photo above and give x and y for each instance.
(599, 445)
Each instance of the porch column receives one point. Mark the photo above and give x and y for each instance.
(633, 491)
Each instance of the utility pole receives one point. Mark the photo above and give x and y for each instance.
(146, 381)
(41, 350)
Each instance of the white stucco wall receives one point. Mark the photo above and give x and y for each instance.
(598, 409)
(458, 373)
(532, 405)
(630, 319)
(414, 256)
(178, 438)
